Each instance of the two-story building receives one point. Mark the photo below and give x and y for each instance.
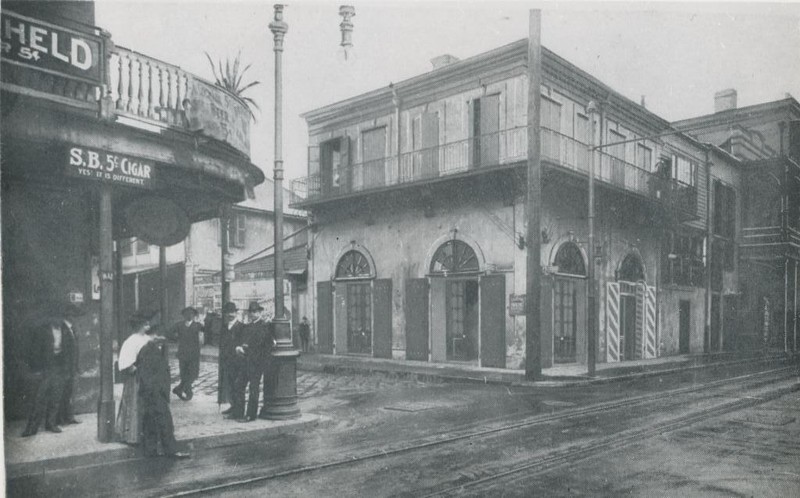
(766, 138)
(417, 196)
(100, 144)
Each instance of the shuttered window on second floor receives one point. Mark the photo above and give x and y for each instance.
(684, 170)
(237, 230)
(724, 210)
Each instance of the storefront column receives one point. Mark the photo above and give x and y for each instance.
(105, 409)
(162, 282)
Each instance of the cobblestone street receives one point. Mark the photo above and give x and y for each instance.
(309, 384)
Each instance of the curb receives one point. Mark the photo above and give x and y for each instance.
(518, 379)
(114, 455)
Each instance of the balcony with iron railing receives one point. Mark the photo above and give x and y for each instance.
(506, 148)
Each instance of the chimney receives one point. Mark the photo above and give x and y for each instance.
(725, 100)
(443, 60)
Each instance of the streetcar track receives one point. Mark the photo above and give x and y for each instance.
(455, 436)
(614, 442)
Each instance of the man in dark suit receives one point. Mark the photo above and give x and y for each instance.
(229, 363)
(188, 335)
(71, 350)
(46, 359)
(154, 382)
(253, 348)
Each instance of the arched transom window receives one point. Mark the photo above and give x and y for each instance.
(353, 265)
(631, 269)
(569, 260)
(454, 256)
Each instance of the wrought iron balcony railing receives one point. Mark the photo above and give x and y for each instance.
(494, 150)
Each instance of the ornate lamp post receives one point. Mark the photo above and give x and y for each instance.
(280, 386)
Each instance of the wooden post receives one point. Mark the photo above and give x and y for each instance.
(225, 288)
(105, 409)
(591, 301)
(162, 280)
(533, 280)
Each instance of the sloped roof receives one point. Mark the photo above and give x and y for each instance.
(295, 260)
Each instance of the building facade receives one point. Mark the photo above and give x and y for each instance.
(417, 196)
(766, 138)
(194, 265)
(100, 144)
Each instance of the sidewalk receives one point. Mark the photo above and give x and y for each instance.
(556, 376)
(198, 424)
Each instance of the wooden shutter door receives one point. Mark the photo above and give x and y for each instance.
(493, 321)
(345, 168)
(581, 346)
(382, 317)
(546, 306)
(490, 126)
(340, 318)
(430, 143)
(438, 319)
(325, 317)
(416, 313)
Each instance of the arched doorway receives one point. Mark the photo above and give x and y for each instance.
(454, 271)
(355, 274)
(569, 299)
(629, 275)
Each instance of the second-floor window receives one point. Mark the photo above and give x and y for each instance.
(684, 170)
(237, 230)
(724, 210)
(142, 247)
(618, 150)
(644, 157)
(126, 247)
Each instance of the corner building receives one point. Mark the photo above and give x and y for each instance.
(100, 144)
(417, 196)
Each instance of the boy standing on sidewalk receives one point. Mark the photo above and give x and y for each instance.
(187, 334)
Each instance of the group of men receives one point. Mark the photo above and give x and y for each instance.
(244, 353)
(53, 357)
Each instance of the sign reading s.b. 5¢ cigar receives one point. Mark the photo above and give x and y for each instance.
(92, 164)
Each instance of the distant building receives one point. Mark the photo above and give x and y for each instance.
(194, 265)
(417, 196)
(766, 137)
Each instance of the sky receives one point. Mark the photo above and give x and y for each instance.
(675, 54)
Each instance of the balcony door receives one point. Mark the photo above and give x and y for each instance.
(485, 119)
(373, 155)
(425, 144)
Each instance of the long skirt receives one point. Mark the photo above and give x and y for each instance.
(128, 428)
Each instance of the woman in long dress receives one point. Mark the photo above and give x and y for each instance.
(128, 428)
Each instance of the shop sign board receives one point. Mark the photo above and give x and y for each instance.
(516, 304)
(110, 167)
(54, 49)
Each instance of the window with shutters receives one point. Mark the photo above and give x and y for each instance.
(682, 260)
(644, 157)
(684, 170)
(724, 210)
(126, 247)
(142, 247)
(237, 229)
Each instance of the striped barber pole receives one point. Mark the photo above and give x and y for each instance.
(649, 349)
(612, 322)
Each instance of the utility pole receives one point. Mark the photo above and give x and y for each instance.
(533, 211)
(591, 312)
(105, 408)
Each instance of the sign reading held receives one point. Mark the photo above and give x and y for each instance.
(40, 45)
(92, 164)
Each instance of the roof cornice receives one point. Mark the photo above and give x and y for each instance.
(482, 66)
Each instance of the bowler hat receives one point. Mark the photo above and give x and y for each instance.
(254, 306)
(229, 308)
(141, 316)
(190, 310)
(72, 309)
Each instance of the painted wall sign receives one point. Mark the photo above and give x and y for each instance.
(220, 116)
(516, 304)
(94, 164)
(44, 46)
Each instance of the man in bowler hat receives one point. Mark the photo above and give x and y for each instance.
(187, 334)
(229, 364)
(253, 348)
(46, 359)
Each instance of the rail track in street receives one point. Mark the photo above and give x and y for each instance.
(760, 385)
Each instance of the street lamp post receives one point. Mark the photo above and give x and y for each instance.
(280, 384)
